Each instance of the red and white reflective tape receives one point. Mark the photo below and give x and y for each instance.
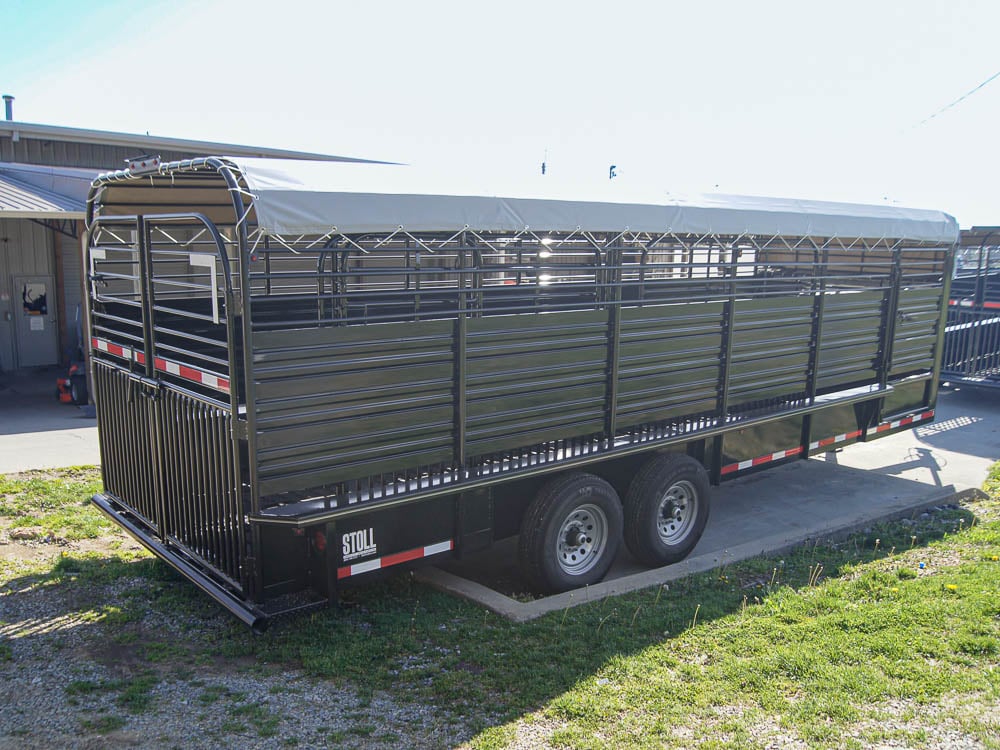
(106, 346)
(835, 439)
(397, 559)
(971, 303)
(211, 380)
(886, 426)
(189, 373)
(743, 465)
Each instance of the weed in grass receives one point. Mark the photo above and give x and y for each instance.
(634, 615)
(566, 611)
(135, 694)
(694, 620)
(84, 687)
(659, 593)
(6, 652)
(231, 726)
(211, 694)
(103, 724)
(605, 619)
(259, 717)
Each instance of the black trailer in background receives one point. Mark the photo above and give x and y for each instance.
(972, 338)
(298, 388)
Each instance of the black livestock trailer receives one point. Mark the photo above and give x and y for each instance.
(306, 374)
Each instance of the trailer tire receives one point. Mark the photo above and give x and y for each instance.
(666, 509)
(570, 533)
(78, 389)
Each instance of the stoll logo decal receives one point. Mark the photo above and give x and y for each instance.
(359, 543)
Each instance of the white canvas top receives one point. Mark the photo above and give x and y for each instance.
(301, 197)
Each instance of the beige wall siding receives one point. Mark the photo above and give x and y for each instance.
(70, 154)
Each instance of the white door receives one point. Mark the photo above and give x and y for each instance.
(35, 324)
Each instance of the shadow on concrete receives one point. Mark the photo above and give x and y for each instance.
(916, 458)
(28, 403)
(968, 422)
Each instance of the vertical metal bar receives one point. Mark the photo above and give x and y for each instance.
(725, 360)
(213, 488)
(934, 384)
(250, 579)
(234, 498)
(215, 491)
(889, 320)
(146, 293)
(195, 499)
(613, 264)
(172, 458)
(976, 316)
(815, 339)
(461, 333)
(267, 267)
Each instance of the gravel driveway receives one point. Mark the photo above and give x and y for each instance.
(76, 673)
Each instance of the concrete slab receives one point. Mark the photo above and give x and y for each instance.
(779, 508)
(38, 432)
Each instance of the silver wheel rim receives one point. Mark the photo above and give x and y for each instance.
(581, 540)
(676, 512)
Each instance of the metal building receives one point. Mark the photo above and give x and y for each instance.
(45, 173)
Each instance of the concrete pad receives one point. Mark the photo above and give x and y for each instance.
(39, 432)
(780, 508)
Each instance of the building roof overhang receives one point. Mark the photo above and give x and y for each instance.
(35, 192)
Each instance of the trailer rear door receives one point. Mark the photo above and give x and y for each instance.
(162, 338)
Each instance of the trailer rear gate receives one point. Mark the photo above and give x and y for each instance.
(297, 386)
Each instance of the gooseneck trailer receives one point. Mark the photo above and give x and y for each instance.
(305, 376)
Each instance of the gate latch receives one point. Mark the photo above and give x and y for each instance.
(148, 387)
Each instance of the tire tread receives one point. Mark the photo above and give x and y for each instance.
(659, 472)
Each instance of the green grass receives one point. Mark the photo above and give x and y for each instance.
(55, 502)
(257, 715)
(808, 643)
(103, 724)
(823, 645)
(133, 694)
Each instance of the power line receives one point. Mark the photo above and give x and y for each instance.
(962, 98)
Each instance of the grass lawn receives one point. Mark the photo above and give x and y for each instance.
(890, 637)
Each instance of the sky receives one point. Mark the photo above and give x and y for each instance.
(818, 100)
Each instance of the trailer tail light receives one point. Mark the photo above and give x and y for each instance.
(319, 539)
(142, 164)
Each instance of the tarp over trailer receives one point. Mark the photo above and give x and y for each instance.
(293, 198)
(349, 344)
